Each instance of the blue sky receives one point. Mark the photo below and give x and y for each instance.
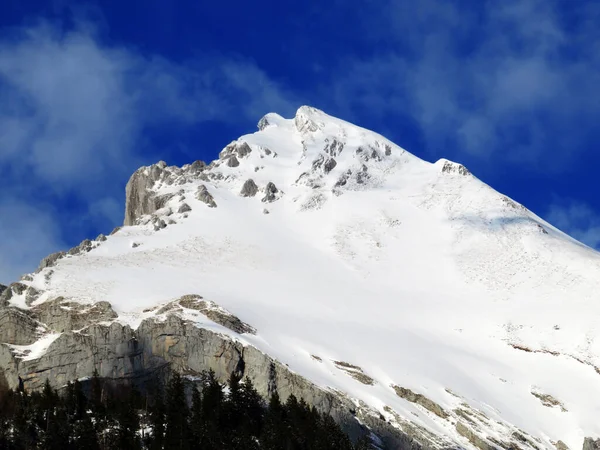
(89, 91)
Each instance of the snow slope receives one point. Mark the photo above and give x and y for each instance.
(418, 273)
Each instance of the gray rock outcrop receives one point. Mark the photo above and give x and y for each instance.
(249, 189)
(263, 123)
(17, 328)
(305, 121)
(451, 167)
(329, 165)
(85, 246)
(157, 223)
(209, 309)
(243, 150)
(548, 400)
(50, 260)
(271, 192)
(62, 315)
(232, 161)
(591, 444)
(477, 441)
(355, 372)
(139, 199)
(197, 166)
(2, 288)
(18, 289)
(420, 399)
(215, 313)
(204, 196)
(333, 148)
(160, 201)
(184, 208)
(239, 149)
(326, 164)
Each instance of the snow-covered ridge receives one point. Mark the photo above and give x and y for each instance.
(313, 150)
(412, 287)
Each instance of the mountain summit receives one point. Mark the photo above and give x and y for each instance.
(321, 259)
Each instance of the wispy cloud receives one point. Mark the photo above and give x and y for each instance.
(504, 79)
(74, 112)
(27, 234)
(578, 220)
(75, 109)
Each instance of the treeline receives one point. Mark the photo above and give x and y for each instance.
(111, 416)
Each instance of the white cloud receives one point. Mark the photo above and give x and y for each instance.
(76, 109)
(491, 77)
(578, 220)
(27, 234)
(74, 112)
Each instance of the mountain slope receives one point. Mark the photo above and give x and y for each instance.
(414, 288)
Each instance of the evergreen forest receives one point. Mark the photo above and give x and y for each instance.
(116, 416)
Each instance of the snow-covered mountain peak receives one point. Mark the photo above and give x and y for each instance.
(308, 159)
(413, 288)
(271, 119)
(447, 166)
(309, 119)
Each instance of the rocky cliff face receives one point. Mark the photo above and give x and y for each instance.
(591, 444)
(83, 341)
(60, 340)
(139, 200)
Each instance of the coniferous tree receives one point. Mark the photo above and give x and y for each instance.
(196, 419)
(79, 401)
(157, 420)
(232, 416)
(85, 436)
(127, 427)
(5, 421)
(96, 393)
(98, 405)
(251, 411)
(6, 412)
(212, 412)
(233, 405)
(273, 433)
(176, 435)
(23, 435)
(57, 434)
(236, 421)
(47, 404)
(335, 437)
(127, 418)
(239, 434)
(292, 417)
(49, 398)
